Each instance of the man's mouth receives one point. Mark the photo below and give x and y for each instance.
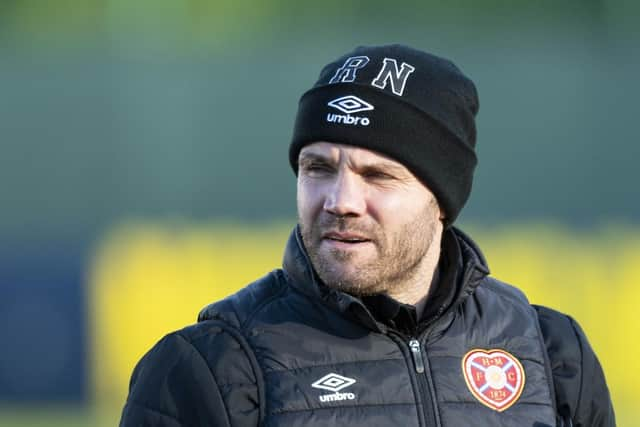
(345, 237)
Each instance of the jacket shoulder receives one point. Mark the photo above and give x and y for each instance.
(204, 373)
(237, 309)
(505, 290)
(580, 386)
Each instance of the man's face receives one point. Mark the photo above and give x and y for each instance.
(367, 222)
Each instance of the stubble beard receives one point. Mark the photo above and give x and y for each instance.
(397, 261)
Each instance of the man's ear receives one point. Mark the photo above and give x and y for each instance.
(442, 215)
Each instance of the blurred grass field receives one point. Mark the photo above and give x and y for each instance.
(148, 279)
(48, 415)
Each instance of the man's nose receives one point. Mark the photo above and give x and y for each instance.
(346, 196)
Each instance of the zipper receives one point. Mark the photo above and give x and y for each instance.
(419, 389)
(425, 384)
(414, 344)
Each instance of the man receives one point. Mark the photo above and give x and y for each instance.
(383, 313)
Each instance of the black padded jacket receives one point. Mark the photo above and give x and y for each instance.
(288, 351)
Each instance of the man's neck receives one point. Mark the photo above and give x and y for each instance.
(416, 290)
(422, 302)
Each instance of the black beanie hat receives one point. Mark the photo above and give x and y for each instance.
(414, 107)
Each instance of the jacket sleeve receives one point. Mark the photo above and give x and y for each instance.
(580, 386)
(173, 386)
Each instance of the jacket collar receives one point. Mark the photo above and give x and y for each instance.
(302, 276)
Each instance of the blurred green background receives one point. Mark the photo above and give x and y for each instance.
(143, 169)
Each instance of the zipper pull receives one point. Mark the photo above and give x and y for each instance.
(417, 355)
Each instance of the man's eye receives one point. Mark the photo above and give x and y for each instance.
(316, 168)
(376, 175)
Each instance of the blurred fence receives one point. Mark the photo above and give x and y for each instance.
(112, 109)
(43, 325)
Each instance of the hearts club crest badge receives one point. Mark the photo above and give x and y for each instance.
(494, 377)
